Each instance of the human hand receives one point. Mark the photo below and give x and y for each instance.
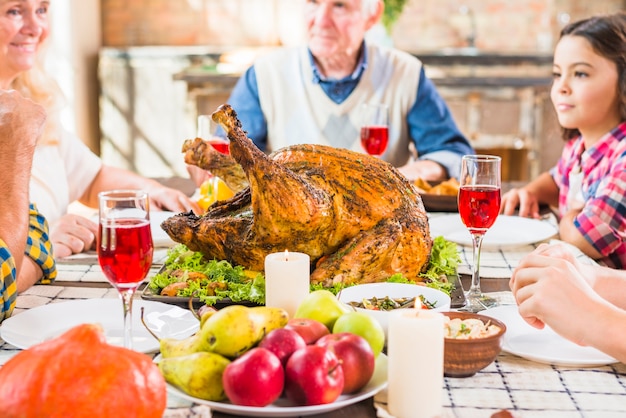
(21, 122)
(527, 202)
(549, 289)
(72, 234)
(424, 169)
(165, 198)
(197, 174)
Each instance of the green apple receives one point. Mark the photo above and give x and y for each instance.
(322, 306)
(362, 324)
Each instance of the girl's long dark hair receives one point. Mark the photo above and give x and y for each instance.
(607, 36)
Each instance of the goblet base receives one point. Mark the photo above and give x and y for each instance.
(477, 303)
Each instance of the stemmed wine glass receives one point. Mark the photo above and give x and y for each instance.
(374, 128)
(125, 245)
(479, 205)
(206, 131)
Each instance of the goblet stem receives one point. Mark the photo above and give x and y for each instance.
(476, 301)
(474, 290)
(127, 300)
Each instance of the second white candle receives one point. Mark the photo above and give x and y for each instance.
(415, 368)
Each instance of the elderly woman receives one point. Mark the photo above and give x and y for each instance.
(64, 169)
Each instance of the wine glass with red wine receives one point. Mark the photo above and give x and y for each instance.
(479, 205)
(125, 246)
(206, 131)
(375, 128)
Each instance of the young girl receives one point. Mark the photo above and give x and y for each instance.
(589, 182)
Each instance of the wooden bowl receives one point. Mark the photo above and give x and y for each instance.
(466, 357)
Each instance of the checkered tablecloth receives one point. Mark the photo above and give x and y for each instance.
(522, 387)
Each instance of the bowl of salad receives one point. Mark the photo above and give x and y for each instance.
(471, 342)
(380, 299)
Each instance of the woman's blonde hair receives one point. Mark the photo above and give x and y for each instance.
(38, 86)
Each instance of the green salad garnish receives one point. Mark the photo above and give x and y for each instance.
(212, 281)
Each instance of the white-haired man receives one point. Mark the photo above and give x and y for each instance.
(312, 94)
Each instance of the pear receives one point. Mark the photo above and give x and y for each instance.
(235, 329)
(231, 331)
(268, 319)
(172, 347)
(198, 374)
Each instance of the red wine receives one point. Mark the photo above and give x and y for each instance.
(220, 146)
(479, 207)
(125, 251)
(374, 139)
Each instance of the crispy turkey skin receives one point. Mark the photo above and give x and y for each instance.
(356, 216)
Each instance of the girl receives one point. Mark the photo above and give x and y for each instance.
(589, 182)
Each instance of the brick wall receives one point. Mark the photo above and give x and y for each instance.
(516, 25)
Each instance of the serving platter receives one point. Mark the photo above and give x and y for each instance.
(283, 408)
(149, 294)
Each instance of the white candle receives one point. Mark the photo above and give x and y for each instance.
(287, 280)
(415, 363)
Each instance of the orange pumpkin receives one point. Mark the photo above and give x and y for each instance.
(79, 375)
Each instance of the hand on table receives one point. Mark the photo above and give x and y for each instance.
(550, 287)
(526, 201)
(164, 198)
(73, 234)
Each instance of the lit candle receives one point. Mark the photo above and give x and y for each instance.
(415, 363)
(287, 280)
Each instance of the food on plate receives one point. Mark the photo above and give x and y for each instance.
(448, 187)
(197, 374)
(356, 356)
(230, 331)
(422, 185)
(468, 329)
(364, 325)
(213, 190)
(78, 372)
(313, 376)
(388, 304)
(323, 306)
(187, 274)
(257, 378)
(308, 198)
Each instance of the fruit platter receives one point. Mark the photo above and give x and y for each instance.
(257, 361)
(282, 407)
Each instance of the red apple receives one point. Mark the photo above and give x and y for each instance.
(282, 342)
(356, 357)
(255, 379)
(313, 376)
(310, 330)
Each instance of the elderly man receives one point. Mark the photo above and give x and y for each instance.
(313, 94)
(23, 231)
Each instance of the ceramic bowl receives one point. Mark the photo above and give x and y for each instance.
(466, 357)
(439, 299)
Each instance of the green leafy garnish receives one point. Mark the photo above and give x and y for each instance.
(220, 279)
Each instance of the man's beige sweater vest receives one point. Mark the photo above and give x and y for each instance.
(298, 111)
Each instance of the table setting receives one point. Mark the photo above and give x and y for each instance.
(565, 380)
(408, 363)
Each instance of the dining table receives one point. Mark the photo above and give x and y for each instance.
(511, 386)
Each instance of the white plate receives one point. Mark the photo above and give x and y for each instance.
(282, 407)
(159, 236)
(506, 232)
(49, 321)
(543, 345)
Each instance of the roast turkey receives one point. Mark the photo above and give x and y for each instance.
(355, 215)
